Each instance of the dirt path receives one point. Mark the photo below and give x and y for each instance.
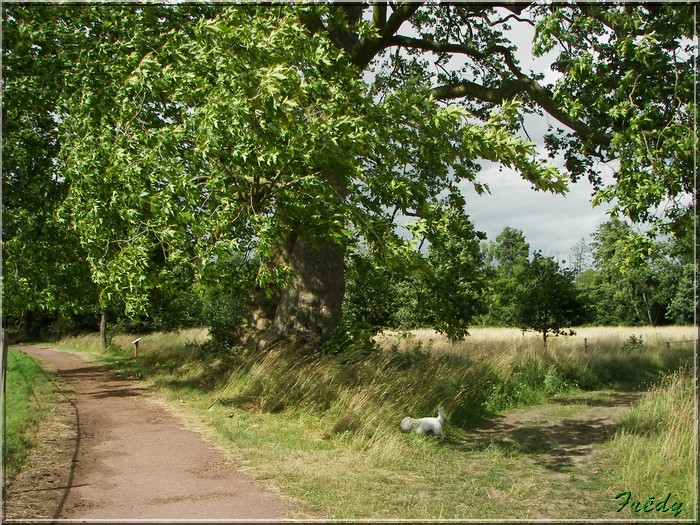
(109, 451)
(560, 434)
(558, 443)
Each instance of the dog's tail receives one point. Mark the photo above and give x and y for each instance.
(441, 416)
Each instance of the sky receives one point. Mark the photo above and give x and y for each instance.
(551, 223)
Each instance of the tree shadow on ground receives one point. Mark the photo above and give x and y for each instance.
(560, 444)
(111, 385)
(615, 400)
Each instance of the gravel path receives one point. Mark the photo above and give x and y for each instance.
(110, 451)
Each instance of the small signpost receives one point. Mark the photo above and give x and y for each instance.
(135, 342)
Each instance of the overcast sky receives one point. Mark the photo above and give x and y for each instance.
(551, 223)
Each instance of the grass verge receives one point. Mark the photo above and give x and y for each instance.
(654, 452)
(25, 406)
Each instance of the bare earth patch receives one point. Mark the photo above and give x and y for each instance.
(109, 451)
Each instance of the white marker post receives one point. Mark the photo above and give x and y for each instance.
(135, 342)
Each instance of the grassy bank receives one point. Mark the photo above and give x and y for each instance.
(360, 388)
(324, 427)
(28, 399)
(654, 451)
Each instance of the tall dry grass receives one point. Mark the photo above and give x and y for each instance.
(361, 388)
(654, 451)
(153, 342)
(358, 388)
(487, 341)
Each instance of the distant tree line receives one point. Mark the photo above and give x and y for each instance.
(604, 282)
(461, 279)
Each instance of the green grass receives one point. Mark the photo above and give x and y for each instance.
(28, 391)
(654, 451)
(323, 427)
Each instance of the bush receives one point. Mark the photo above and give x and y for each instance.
(226, 296)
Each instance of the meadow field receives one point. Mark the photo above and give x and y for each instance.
(487, 341)
(322, 428)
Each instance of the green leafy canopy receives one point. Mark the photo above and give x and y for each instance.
(222, 130)
(160, 137)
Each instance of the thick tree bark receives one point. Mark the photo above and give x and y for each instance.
(310, 308)
(262, 304)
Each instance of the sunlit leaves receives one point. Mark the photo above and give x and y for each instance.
(628, 71)
(187, 131)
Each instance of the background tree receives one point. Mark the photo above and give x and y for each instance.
(510, 253)
(636, 279)
(579, 257)
(546, 299)
(451, 290)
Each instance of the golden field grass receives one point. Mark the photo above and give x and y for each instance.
(490, 340)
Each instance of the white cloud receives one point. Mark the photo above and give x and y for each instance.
(551, 223)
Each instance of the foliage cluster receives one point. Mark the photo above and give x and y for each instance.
(146, 145)
(461, 280)
(635, 280)
(623, 286)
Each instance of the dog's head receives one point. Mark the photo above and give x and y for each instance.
(407, 424)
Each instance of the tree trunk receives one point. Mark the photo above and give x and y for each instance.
(311, 308)
(103, 331)
(262, 304)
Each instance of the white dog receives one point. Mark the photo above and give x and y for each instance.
(425, 425)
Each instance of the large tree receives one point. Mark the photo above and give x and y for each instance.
(188, 131)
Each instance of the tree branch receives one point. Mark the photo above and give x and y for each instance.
(443, 47)
(508, 89)
(367, 48)
(379, 14)
(511, 88)
(510, 17)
